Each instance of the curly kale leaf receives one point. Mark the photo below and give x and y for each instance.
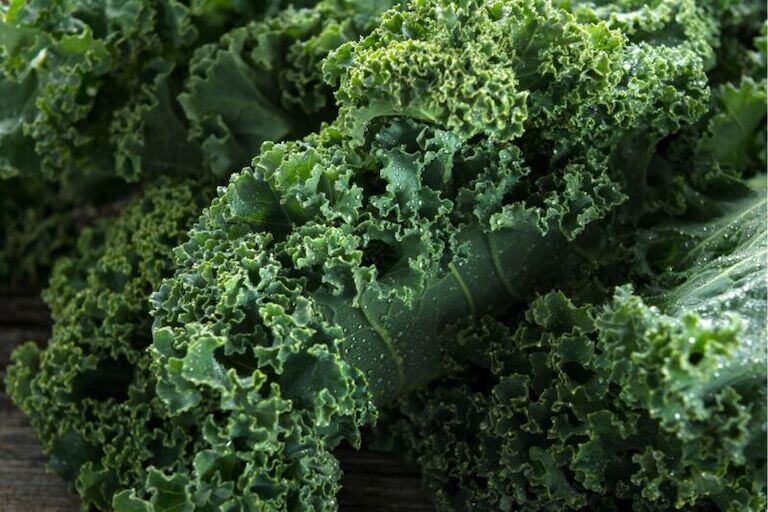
(505, 68)
(326, 275)
(734, 145)
(75, 64)
(90, 394)
(595, 88)
(263, 81)
(311, 274)
(616, 406)
(163, 109)
(300, 313)
(148, 87)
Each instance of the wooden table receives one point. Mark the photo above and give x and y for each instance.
(372, 481)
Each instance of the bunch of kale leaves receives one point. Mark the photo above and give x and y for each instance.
(521, 244)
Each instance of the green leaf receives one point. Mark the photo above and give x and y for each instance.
(734, 141)
(620, 404)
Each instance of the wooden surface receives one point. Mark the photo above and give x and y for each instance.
(372, 481)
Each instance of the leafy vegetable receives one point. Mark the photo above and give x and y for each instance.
(447, 195)
(76, 73)
(93, 96)
(312, 273)
(90, 394)
(616, 406)
(263, 82)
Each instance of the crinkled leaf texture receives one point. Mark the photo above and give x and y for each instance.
(504, 68)
(148, 87)
(89, 393)
(263, 81)
(622, 406)
(75, 64)
(152, 107)
(475, 142)
(304, 284)
(323, 279)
